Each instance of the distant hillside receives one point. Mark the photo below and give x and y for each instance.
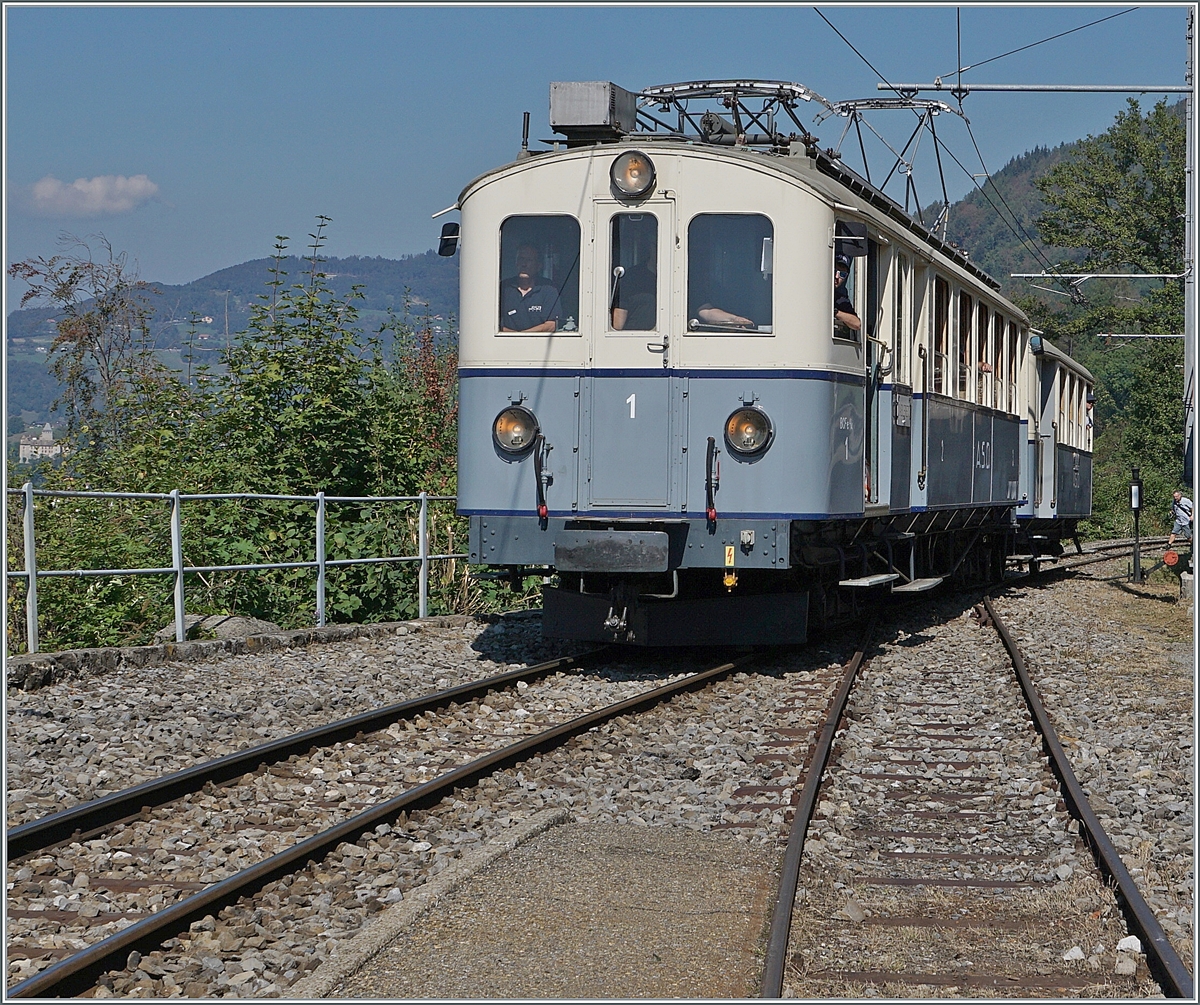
(432, 281)
(980, 226)
(992, 244)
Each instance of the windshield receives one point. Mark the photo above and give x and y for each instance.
(730, 273)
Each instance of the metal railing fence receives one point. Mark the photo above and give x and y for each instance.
(179, 569)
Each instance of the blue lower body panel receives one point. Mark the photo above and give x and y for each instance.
(634, 444)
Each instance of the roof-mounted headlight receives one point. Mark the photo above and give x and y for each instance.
(515, 430)
(632, 175)
(748, 432)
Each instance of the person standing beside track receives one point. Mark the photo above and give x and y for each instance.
(1181, 510)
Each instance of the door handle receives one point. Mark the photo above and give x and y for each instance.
(660, 347)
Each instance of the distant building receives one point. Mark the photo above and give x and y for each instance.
(38, 446)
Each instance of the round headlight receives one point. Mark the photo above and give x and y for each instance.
(748, 431)
(515, 430)
(632, 175)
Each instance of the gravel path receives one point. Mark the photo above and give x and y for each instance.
(698, 904)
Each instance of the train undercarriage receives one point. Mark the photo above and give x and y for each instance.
(835, 571)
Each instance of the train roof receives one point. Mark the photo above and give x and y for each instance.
(831, 178)
(594, 114)
(1059, 356)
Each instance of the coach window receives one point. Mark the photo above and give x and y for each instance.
(964, 344)
(901, 316)
(539, 274)
(731, 268)
(1062, 404)
(633, 273)
(1080, 392)
(998, 362)
(982, 366)
(941, 335)
(1013, 348)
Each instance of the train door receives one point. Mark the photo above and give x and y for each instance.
(904, 312)
(629, 388)
(1045, 464)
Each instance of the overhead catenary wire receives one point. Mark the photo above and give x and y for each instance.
(1018, 230)
(971, 66)
(1048, 266)
(1052, 269)
(856, 52)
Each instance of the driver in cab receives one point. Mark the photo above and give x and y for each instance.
(528, 301)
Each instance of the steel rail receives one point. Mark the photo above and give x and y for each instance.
(1165, 965)
(781, 920)
(98, 813)
(1092, 561)
(77, 973)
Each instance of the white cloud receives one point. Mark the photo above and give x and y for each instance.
(106, 193)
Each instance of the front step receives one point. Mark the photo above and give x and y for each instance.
(918, 585)
(869, 581)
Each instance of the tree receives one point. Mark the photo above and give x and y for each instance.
(103, 353)
(1120, 195)
(306, 403)
(1119, 199)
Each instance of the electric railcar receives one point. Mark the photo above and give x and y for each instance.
(659, 407)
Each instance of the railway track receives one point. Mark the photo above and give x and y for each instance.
(86, 820)
(946, 854)
(765, 797)
(269, 796)
(762, 798)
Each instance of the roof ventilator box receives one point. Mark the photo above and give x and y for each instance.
(590, 111)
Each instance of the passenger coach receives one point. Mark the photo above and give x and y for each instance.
(659, 406)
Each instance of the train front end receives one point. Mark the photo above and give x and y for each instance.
(645, 406)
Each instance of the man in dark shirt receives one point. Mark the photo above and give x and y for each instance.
(528, 302)
(635, 300)
(843, 306)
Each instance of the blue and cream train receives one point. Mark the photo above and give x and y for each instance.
(668, 418)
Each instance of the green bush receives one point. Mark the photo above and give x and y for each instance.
(305, 403)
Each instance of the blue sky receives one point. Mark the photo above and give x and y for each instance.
(202, 132)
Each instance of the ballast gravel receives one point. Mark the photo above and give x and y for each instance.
(87, 737)
(1115, 665)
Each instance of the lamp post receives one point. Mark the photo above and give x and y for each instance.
(1135, 502)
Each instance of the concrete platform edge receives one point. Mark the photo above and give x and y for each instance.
(348, 958)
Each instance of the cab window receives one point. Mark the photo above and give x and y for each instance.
(539, 274)
(730, 273)
(633, 273)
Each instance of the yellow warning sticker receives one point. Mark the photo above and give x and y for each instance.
(729, 555)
